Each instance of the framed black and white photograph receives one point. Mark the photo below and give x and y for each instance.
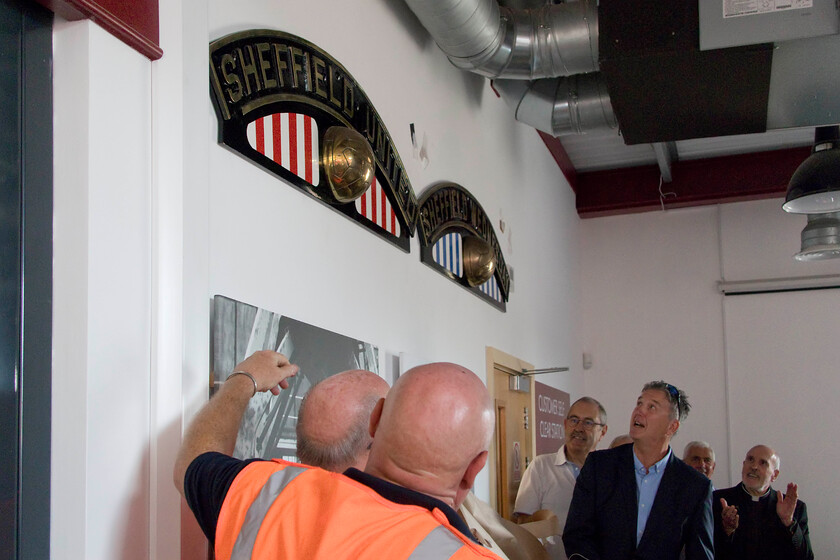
(239, 329)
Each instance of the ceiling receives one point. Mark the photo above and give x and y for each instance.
(710, 107)
(611, 177)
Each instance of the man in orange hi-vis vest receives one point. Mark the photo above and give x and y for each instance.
(430, 439)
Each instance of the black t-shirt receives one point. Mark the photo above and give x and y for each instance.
(209, 476)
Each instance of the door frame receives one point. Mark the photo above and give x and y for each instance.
(497, 359)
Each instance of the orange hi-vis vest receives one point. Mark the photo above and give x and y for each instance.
(276, 509)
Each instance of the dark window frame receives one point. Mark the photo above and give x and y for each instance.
(36, 254)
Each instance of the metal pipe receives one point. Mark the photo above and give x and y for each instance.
(560, 106)
(499, 42)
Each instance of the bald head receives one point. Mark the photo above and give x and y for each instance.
(621, 440)
(332, 425)
(760, 469)
(433, 431)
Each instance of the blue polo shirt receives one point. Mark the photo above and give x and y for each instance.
(647, 483)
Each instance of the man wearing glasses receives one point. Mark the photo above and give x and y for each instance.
(640, 501)
(549, 480)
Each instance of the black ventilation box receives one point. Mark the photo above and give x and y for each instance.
(664, 88)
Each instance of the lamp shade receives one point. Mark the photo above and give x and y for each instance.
(820, 238)
(815, 186)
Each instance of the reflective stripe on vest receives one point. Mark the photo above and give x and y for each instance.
(244, 545)
(439, 544)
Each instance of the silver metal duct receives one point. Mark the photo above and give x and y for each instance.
(560, 106)
(820, 238)
(499, 42)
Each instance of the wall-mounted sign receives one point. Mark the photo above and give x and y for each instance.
(551, 406)
(457, 239)
(292, 109)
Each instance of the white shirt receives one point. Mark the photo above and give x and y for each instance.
(548, 483)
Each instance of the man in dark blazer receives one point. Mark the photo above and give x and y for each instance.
(640, 501)
(752, 520)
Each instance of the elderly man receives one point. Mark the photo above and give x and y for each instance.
(339, 439)
(549, 480)
(700, 456)
(640, 501)
(332, 423)
(754, 521)
(431, 436)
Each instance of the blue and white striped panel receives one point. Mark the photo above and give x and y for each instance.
(447, 252)
(491, 288)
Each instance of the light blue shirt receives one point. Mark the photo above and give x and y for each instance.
(647, 483)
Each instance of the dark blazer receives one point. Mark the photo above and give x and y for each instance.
(760, 533)
(602, 517)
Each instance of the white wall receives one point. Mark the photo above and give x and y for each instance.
(153, 217)
(275, 248)
(651, 310)
(304, 248)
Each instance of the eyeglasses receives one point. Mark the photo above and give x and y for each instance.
(675, 393)
(587, 423)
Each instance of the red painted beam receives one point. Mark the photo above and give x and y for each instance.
(134, 22)
(695, 183)
(561, 157)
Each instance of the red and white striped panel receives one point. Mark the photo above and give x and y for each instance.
(374, 206)
(290, 139)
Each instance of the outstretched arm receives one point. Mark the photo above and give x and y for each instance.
(215, 426)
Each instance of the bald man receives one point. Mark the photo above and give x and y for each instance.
(623, 439)
(754, 521)
(430, 439)
(333, 420)
(332, 433)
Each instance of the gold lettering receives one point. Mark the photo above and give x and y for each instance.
(320, 76)
(334, 77)
(307, 72)
(395, 176)
(455, 202)
(379, 149)
(370, 125)
(262, 50)
(447, 207)
(475, 217)
(403, 194)
(249, 69)
(294, 55)
(281, 52)
(388, 162)
(233, 85)
(425, 224)
(349, 104)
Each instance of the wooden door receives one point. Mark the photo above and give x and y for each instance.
(514, 439)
